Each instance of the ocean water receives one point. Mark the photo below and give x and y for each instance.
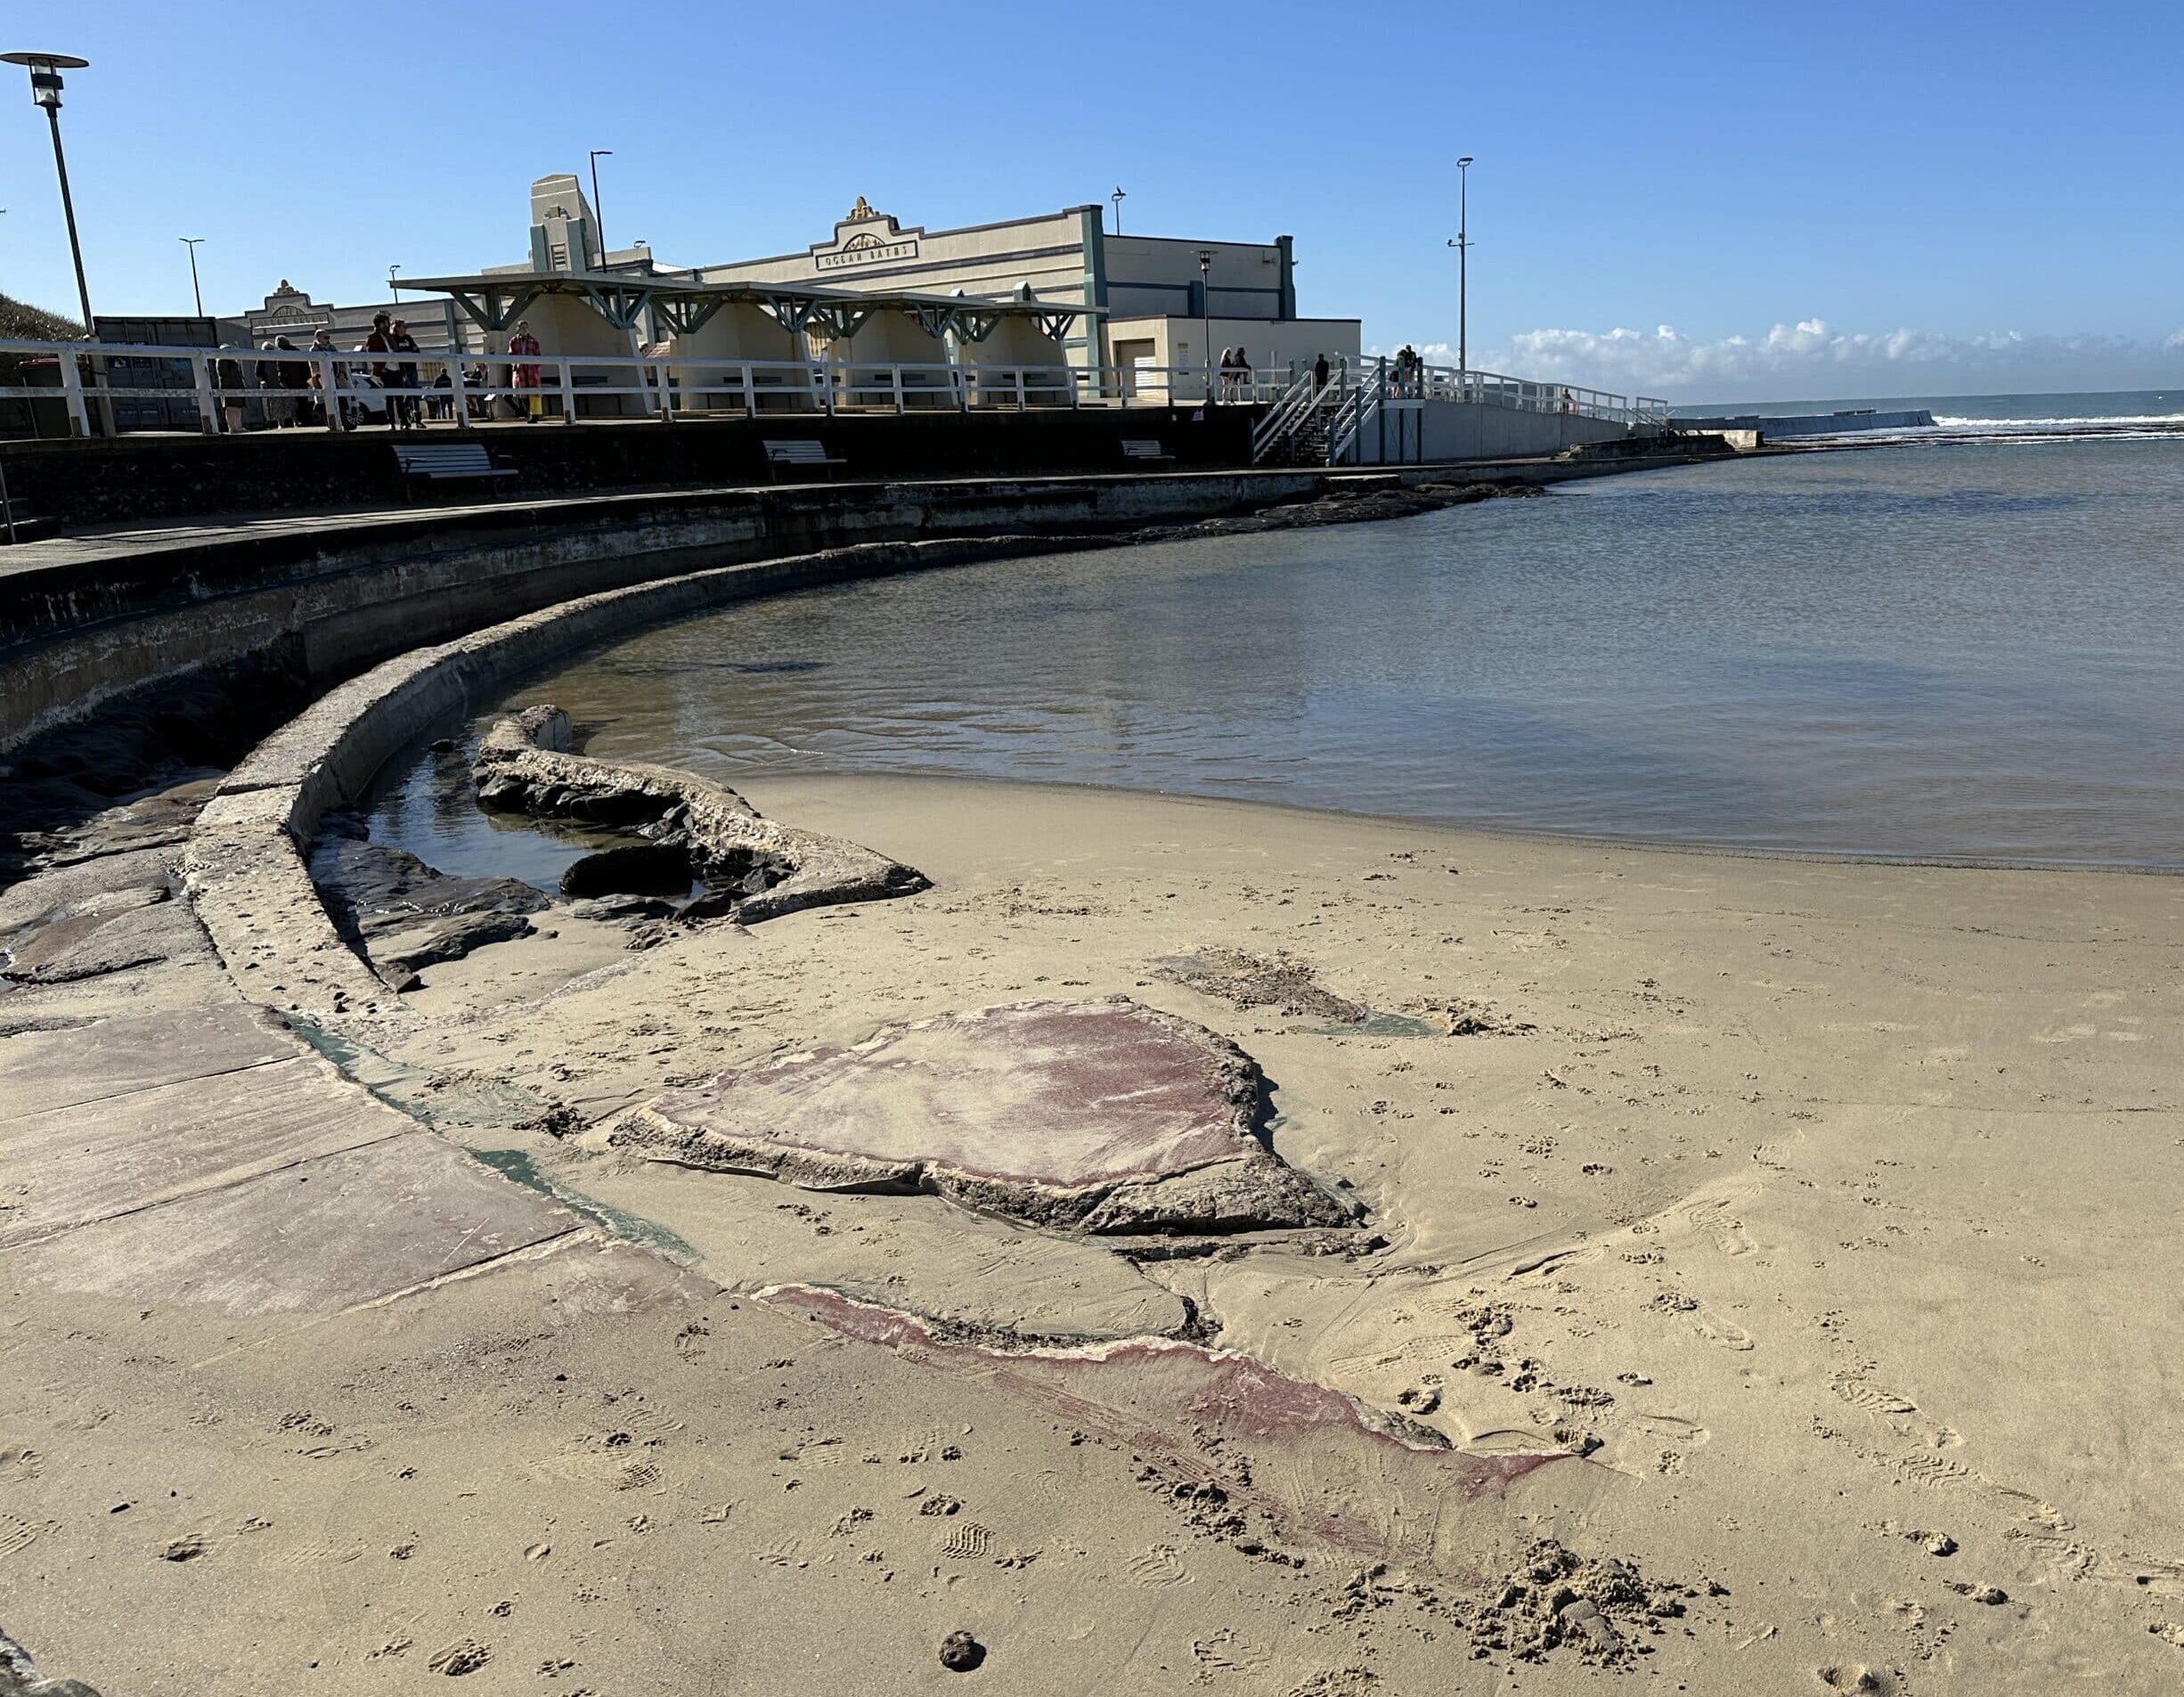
(2129, 414)
(1963, 649)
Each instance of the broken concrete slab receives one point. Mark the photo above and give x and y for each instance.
(1104, 1116)
(93, 1059)
(328, 1233)
(111, 1156)
(758, 868)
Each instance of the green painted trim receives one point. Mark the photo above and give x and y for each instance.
(1095, 278)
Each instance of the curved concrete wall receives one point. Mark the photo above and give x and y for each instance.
(245, 867)
(88, 625)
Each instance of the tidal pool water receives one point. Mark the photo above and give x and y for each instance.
(1958, 650)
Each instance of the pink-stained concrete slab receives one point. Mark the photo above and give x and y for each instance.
(1235, 1439)
(1105, 1116)
(325, 1234)
(1063, 1094)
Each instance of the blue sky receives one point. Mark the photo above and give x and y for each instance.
(1716, 201)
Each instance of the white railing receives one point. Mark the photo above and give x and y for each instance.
(242, 387)
(1522, 394)
(338, 388)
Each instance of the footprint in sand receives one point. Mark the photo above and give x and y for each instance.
(1857, 1676)
(1715, 1329)
(1903, 1416)
(967, 1541)
(1432, 1346)
(1225, 1652)
(1159, 1565)
(1050, 1487)
(18, 1534)
(1672, 1428)
(464, 1656)
(20, 1461)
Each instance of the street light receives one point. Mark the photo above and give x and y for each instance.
(1205, 308)
(1118, 197)
(45, 70)
(393, 288)
(190, 243)
(1461, 243)
(599, 213)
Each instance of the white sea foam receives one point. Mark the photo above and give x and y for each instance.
(2103, 423)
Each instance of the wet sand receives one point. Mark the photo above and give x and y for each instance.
(1822, 1208)
(1778, 1253)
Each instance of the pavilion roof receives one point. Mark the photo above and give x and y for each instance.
(496, 299)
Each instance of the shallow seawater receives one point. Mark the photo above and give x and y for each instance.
(1964, 651)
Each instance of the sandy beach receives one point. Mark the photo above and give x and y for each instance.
(1775, 1254)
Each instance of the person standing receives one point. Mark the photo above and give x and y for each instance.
(322, 376)
(400, 341)
(227, 378)
(381, 342)
(273, 392)
(523, 378)
(1243, 390)
(1319, 372)
(295, 381)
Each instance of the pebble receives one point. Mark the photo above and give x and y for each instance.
(960, 1653)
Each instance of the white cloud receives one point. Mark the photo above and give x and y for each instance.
(1811, 357)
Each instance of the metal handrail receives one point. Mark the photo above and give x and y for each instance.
(1281, 420)
(1350, 416)
(671, 386)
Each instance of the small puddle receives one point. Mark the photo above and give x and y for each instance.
(1378, 1024)
(518, 1165)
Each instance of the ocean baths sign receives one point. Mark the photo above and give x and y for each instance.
(867, 247)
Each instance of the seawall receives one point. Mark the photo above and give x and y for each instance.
(84, 622)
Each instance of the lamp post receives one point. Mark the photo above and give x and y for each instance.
(599, 213)
(1118, 197)
(392, 287)
(1205, 308)
(1461, 243)
(196, 293)
(45, 70)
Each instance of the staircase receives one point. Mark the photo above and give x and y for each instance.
(1295, 430)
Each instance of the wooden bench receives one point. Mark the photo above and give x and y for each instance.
(1147, 451)
(798, 453)
(446, 461)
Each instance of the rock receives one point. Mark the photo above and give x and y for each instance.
(1585, 1619)
(20, 1676)
(399, 954)
(402, 914)
(636, 868)
(613, 908)
(960, 1653)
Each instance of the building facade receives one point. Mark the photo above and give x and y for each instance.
(1143, 301)
(1155, 297)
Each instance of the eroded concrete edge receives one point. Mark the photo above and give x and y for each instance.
(245, 869)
